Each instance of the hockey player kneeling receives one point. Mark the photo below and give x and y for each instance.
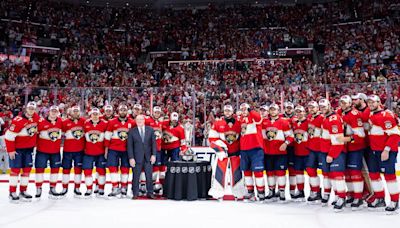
(226, 173)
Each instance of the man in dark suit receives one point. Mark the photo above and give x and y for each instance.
(142, 155)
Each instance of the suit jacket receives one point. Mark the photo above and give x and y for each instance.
(141, 151)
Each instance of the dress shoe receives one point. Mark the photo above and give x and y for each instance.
(151, 196)
(134, 197)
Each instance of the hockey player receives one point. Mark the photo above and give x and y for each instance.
(173, 138)
(116, 150)
(74, 145)
(277, 136)
(251, 152)
(20, 139)
(227, 132)
(300, 133)
(155, 121)
(289, 115)
(94, 151)
(384, 138)
(355, 146)
(108, 113)
(137, 110)
(48, 150)
(314, 158)
(333, 154)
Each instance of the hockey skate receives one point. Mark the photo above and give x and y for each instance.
(299, 196)
(249, 197)
(38, 193)
(325, 199)
(124, 192)
(356, 204)
(339, 205)
(314, 198)
(377, 205)
(77, 193)
(261, 196)
(271, 196)
(100, 193)
(393, 208)
(14, 198)
(63, 193)
(25, 197)
(88, 194)
(114, 193)
(53, 194)
(282, 197)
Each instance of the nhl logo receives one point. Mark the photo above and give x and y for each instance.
(94, 138)
(198, 169)
(177, 169)
(172, 170)
(54, 135)
(191, 170)
(209, 168)
(123, 135)
(184, 169)
(204, 169)
(77, 134)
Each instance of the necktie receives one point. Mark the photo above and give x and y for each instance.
(142, 133)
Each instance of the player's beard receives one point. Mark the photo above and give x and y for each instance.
(122, 116)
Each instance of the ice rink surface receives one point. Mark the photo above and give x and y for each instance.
(71, 212)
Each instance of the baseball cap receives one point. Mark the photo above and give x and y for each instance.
(174, 116)
(324, 102)
(346, 99)
(228, 107)
(157, 109)
(31, 104)
(361, 96)
(374, 98)
(288, 104)
(94, 110)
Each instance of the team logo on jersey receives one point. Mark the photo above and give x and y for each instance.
(77, 134)
(298, 136)
(243, 129)
(271, 134)
(54, 134)
(94, 137)
(231, 137)
(335, 129)
(31, 129)
(388, 125)
(123, 135)
(311, 130)
(167, 138)
(158, 133)
(359, 122)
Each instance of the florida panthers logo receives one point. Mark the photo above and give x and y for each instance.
(271, 134)
(123, 135)
(298, 136)
(77, 134)
(31, 129)
(231, 137)
(311, 131)
(94, 137)
(158, 134)
(54, 135)
(243, 129)
(166, 137)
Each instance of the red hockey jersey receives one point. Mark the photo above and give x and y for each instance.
(314, 132)
(332, 128)
(94, 135)
(353, 126)
(250, 136)
(384, 131)
(300, 135)
(157, 126)
(228, 132)
(117, 133)
(74, 135)
(275, 133)
(22, 133)
(49, 140)
(173, 137)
